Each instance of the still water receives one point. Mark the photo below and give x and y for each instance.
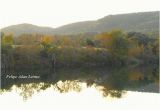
(81, 89)
(74, 96)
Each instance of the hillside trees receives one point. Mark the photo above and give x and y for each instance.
(7, 42)
(116, 45)
(114, 48)
(143, 47)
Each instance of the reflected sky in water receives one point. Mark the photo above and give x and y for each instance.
(112, 82)
(83, 89)
(85, 98)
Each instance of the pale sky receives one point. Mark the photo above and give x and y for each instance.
(54, 13)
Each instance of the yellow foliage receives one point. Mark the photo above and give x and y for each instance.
(48, 39)
(104, 38)
(8, 39)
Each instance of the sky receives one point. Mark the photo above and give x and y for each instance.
(55, 13)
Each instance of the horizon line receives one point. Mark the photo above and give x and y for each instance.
(75, 22)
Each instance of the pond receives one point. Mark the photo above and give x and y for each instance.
(125, 88)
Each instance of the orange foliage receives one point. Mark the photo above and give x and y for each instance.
(135, 51)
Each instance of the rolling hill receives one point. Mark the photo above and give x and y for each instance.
(25, 28)
(144, 22)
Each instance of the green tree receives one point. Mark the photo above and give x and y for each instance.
(118, 46)
(89, 42)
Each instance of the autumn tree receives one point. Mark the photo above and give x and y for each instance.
(115, 43)
(46, 42)
(8, 39)
(103, 39)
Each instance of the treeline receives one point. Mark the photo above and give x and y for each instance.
(114, 48)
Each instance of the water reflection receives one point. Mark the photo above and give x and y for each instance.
(112, 82)
(88, 98)
(28, 90)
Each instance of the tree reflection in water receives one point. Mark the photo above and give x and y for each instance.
(112, 82)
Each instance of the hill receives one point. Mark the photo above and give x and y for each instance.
(27, 29)
(144, 22)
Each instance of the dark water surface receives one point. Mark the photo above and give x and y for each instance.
(125, 88)
(113, 81)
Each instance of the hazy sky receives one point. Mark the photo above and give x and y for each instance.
(55, 13)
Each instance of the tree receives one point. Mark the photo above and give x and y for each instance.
(140, 38)
(103, 39)
(135, 51)
(90, 42)
(7, 39)
(46, 41)
(155, 47)
(116, 44)
(65, 41)
(118, 47)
